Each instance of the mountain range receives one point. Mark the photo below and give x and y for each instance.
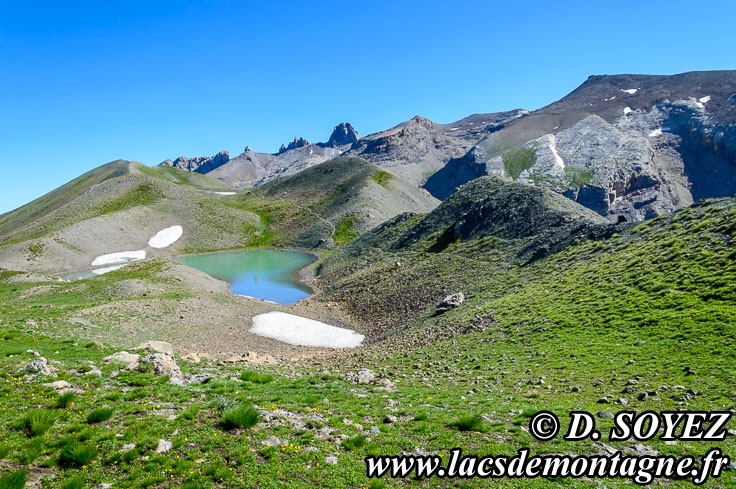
(626, 146)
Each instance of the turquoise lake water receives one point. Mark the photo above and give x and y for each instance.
(270, 275)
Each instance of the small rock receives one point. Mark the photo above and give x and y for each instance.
(164, 446)
(128, 447)
(157, 346)
(602, 400)
(191, 357)
(390, 419)
(642, 396)
(129, 359)
(604, 414)
(331, 460)
(362, 376)
(272, 441)
(38, 366)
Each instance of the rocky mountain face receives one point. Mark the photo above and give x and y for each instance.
(343, 134)
(417, 148)
(629, 147)
(199, 164)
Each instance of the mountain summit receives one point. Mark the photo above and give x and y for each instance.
(343, 134)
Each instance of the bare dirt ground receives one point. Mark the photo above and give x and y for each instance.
(211, 320)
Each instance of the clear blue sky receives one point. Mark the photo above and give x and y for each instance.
(83, 83)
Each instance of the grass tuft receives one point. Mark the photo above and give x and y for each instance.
(75, 455)
(36, 422)
(15, 480)
(240, 417)
(99, 415)
(468, 423)
(65, 400)
(255, 377)
(73, 483)
(354, 443)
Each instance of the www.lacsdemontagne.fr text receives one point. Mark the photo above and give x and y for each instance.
(641, 470)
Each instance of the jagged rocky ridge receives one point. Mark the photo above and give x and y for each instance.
(199, 164)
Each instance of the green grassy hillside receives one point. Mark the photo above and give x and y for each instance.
(330, 203)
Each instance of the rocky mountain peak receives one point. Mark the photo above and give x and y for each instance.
(421, 121)
(296, 143)
(342, 134)
(199, 164)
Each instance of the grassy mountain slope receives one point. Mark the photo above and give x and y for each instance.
(118, 207)
(331, 203)
(46, 204)
(183, 177)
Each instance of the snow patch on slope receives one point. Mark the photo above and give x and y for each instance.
(553, 147)
(119, 257)
(630, 91)
(166, 237)
(296, 330)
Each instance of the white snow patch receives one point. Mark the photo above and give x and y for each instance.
(119, 257)
(553, 147)
(627, 110)
(225, 193)
(454, 128)
(102, 271)
(630, 91)
(296, 330)
(655, 133)
(166, 237)
(704, 100)
(311, 151)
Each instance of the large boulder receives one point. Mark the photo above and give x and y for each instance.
(450, 302)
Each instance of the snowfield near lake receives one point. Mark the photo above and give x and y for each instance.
(296, 330)
(166, 237)
(119, 257)
(225, 193)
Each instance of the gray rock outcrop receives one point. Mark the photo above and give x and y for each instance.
(450, 302)
(343, 134)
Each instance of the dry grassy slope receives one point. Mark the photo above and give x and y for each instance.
(118, 207)
(334, 201)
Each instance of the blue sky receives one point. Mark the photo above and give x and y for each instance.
(84, 83)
